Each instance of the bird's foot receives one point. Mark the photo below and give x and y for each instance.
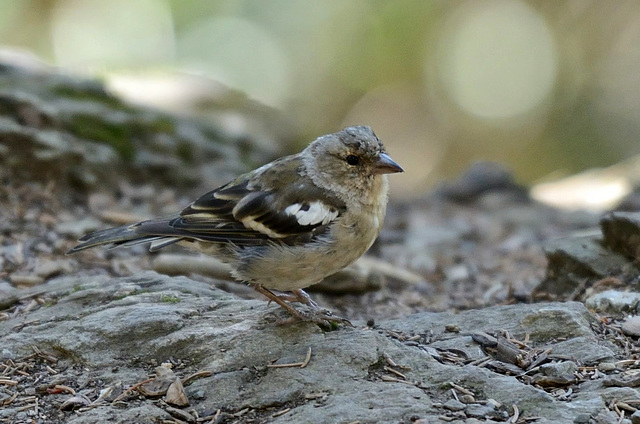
(299, 296)
(323, 317)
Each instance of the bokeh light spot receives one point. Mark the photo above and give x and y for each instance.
(94, 33)
(497, 59)
(240, 53)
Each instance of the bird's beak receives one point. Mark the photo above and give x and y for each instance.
(386, 165)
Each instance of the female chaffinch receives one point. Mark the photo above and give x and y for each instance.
(286, 225)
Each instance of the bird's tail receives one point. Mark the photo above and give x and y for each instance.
(129, 235)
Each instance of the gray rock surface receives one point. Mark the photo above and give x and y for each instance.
(580, 265)
(105, 335)
(621, 233)
(71, 130)
(614, 302)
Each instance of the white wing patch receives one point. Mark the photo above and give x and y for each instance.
(314, 213)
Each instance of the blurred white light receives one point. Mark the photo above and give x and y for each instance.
(96, 33)
(239, 53)
(497, 59)
(593, 190)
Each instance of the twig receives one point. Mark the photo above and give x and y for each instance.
(294, 364)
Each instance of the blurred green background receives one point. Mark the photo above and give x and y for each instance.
(545, 87)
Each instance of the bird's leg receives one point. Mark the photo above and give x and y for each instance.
(299, 296)
(319, 316)
(303, 297)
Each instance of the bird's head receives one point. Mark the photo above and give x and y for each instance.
(349, 161)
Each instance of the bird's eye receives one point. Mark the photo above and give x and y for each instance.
(353, 160)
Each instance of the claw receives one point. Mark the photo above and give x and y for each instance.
(324, 318)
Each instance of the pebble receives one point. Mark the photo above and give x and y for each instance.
(78, 228)
(7, 354)
(29, 280)
(8, 295)
(563, 369)
(457, 273)
(466, 398)
(180, 414)
(47, 268)
(452, 328)
(582, 418)
(13, 253)
(606, 366)
(198, 394)
(477, 410)
(454, 405)
(631, 326)
(613, 301)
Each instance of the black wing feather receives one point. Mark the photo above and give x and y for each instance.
(218, 215)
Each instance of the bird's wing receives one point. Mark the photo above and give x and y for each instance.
(277, 202)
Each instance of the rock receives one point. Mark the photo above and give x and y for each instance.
(575, 263)
(78, 228)
(631, 326)
(176, 395)
(25, 280)
(564, 370)
(584, 349)
(621, 231)
(582, 419)
(180, 414)
(74, 402)
(635, 417)
(613, 301)
(160, 384)
(103, 332)
(454, 405)
(606, 366)
(480, 178)
(8, 295)
(49, 268)
(72, 131)
(477, 410)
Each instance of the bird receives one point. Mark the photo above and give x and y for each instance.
(285, 225)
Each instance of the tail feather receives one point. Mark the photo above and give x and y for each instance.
(129, 235)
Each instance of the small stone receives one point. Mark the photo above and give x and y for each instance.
(78, 228)
(606, 366)
(176, 395)
(631, 326)
(28, 280)
(457, 273)
(621, 231)
(477, 410)
(74, 402)
(565, 369)
(582, 418)
(160, 384)
(635, 418)
(454, 405)
(613, 301)
(180, 414)
(8, 295)
(198, 394)
(48, 268)
(7, 354)
(452, 328)
(466, 399)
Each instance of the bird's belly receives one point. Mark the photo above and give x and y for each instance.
(288, 268)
